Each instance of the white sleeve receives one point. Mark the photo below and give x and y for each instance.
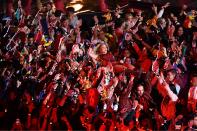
(178, 88)
(160, 14)
(173, 96)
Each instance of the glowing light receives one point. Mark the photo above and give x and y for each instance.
(83, 11)
(77, 7)
(75, 1)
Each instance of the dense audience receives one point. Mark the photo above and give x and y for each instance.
(137, 70)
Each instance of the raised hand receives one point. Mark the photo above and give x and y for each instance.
(96, 19)
(91, 53)
(155, 67)
(115, 81)
(57, 77)
(166, 5)
(19, 4)
(161, 78)
(154, 8)
(184, 7)
(167, 63)
(117, 97)
(131, 80)
(47, 98)
(75, 48)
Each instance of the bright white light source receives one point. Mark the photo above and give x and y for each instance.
(76, 6)
(75, 1)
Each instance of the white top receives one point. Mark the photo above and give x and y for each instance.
(192, 94)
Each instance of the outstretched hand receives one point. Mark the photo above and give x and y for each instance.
(91, 53)
(155, 67)
(19, 3)
(96, 19)
(166, 5)
(154, 8)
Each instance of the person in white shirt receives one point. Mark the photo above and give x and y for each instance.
(192, 95)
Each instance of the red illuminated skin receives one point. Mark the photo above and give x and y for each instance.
(92, 97)
(103, 6)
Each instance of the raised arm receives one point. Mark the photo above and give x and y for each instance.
(161, 12)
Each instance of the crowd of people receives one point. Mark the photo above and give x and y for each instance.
(137, 70)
